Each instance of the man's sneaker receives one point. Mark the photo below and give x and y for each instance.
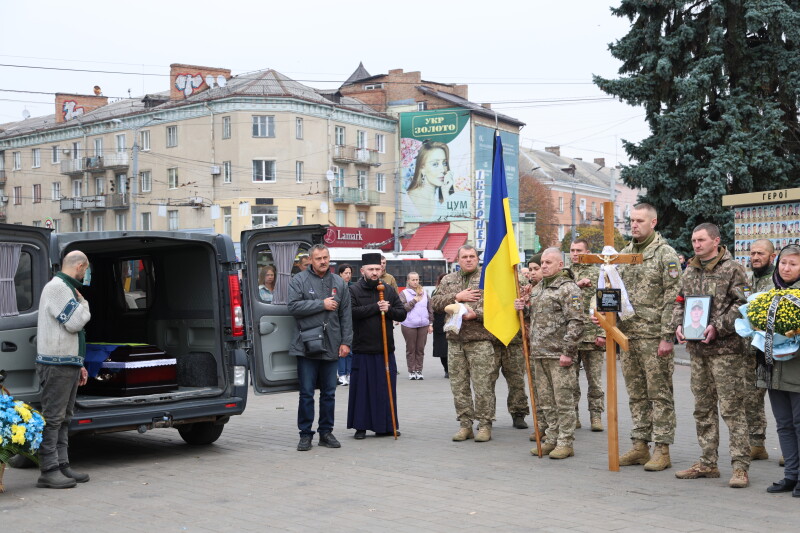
(519, 423)
(739, 479)
(328, 441)
(562, 452)
(758, 453)
(547, 447)
(347, 380)
(305, 443)
(698, 470)
(55, 479)
(419, 375)
(412, 375)
(463, 434)
(341, 380)
(484, 434)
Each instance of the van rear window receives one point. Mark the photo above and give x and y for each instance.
(273, 276)
(135, 277)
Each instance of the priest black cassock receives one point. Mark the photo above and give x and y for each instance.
(369, 405)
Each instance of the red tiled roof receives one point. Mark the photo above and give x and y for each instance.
(454, 242)
(428, 237)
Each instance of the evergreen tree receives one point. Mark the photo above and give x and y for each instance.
(719, 81)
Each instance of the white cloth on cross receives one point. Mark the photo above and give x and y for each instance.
(615, 281)
(453, 323)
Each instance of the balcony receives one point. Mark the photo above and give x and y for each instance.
(115, 161)
(97, 202)
(352, 154)
(352, 195)
(73, 166)
(2, 177)
(97, 163)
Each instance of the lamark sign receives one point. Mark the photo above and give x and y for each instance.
(358, 237)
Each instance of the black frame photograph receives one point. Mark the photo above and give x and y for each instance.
(693, 324)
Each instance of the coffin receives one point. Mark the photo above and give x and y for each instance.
(128, 370)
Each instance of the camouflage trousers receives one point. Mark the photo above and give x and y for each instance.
(648, 380)
(474, 367)
(753, 400)
(592, 361)
(555, 386)
(512, 364)
(717, 385)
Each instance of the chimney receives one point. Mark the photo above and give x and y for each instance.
(553, 150)
(69, 106)
(600, 161)
(486, 105)
(187, 80)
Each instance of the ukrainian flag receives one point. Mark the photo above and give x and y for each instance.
(498, 278)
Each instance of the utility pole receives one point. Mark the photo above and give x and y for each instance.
(134, 177)
(572, 203)
(396, 212)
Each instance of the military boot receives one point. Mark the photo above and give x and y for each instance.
(660, 460)
(577, 420)
(638, 455)
(519, 422)
(562, 452)
(547, 447)
(463, 434)
(758, 453)
(484, 434)
(597, 422)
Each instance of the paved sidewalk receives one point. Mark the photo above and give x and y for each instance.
(253, 479)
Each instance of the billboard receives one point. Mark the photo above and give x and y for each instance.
(436, 166)
(484, 152)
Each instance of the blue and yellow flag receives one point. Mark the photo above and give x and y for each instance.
(500, 258)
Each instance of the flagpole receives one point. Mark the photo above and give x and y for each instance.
(527, 353)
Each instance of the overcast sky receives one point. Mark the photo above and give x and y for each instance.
(527, 58)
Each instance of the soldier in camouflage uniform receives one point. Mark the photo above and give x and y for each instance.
(590, 351)
(556, 312)
(512, 364)
(473, 362)
(762, 255)
(533, 278)
(717, 360)
(649, 363)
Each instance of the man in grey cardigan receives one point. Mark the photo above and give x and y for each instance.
(61, 348)
(319, 298)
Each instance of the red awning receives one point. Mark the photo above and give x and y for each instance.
(451, 246)
(428, 237)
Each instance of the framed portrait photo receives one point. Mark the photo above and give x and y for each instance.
(695, 317)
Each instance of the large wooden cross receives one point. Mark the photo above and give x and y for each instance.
(608, 321)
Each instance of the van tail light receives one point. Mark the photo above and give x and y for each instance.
(237, 316)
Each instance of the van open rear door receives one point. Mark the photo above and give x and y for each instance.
(270, 256)
(24, 257)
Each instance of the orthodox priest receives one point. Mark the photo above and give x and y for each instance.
(368, 407)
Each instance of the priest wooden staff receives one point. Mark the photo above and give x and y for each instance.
(381, 288)
(527, 354)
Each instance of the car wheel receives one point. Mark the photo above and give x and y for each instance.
(201, 433)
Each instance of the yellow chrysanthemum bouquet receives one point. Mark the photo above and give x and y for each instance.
(785, 325)
(20, 429)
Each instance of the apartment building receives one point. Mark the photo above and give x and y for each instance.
(215, 152)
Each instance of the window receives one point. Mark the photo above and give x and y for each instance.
(339, 177)
(380, 143)
(380, 220)
(55, 155)
(37, 193)
(264, 216)
(172, 219)
(298, 128)
(77, 188)
(561, 232)
(422, 106)
(361, 139)
(263, 126)
(98, 147)
(560, 204)
(23, 282)
(172, 178)
(298, 172)
(77, 224)
(373, 86)
(146, 222)
(301, 216)
(361, 180)
(146, 180)
(380, 182)
(362, 219)
(226, 127)
(36, 223)
(122, 222)
(341, 217)
(594, 210)
(2, 160)
(100, 185)
(121, 181)
(227, 172)
(340, 135)
(172, 136)
(17, 195)
(17, 160)
(76, 150)
(144, 140)
(227, 221)
(133, 278)
(37, 158)
(55, 190)
(120, 142)
(263, 170)
(99, 223)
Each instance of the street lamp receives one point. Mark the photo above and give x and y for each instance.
(135, 168)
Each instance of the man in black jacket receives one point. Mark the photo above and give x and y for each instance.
(368, 407)
(319, 300)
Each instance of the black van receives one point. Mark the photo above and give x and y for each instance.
(184, 294)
